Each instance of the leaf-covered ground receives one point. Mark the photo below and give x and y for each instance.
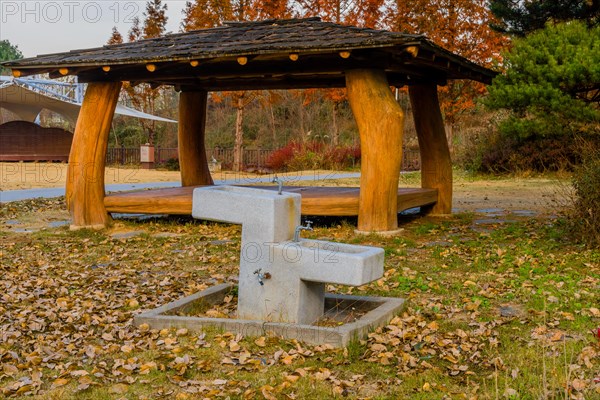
(498, 307)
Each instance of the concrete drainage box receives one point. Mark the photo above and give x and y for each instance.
(340, 310)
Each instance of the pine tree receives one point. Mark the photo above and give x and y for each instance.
(8, 52)
(552, 83)
(522, 17)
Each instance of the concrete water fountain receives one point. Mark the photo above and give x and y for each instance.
(282, 277)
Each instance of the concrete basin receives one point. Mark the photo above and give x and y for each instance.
(330, 262)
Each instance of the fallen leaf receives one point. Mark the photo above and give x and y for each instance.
(126, 349)
(59, 382)
(133, 303)
(578, 384)
(9, 369)
(266, 392)
(434, 326)
(292, 378)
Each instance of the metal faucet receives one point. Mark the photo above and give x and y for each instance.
(279, 183)
(302, 228)
(262, 276)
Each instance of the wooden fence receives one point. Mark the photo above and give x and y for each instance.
(252, 158)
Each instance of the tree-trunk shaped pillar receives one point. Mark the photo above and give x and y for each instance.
(380, 125)
(192, 151)
(85, 176)
(436, 164)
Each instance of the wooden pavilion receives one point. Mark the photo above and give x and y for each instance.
(272, 54)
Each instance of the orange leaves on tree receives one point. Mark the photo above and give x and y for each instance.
(202, 14)
(156, 19)
(266, 9)
(115, 37)
(364, 13)
(460, 26)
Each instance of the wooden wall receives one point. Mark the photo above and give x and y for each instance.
(26, 141)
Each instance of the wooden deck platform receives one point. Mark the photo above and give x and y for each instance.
(330, 201)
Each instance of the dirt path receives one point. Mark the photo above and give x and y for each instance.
(538, 195)
(531, 196)
(517, 195)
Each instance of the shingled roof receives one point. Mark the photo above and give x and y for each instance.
(291, 53)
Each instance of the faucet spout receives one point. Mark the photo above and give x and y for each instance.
(300, 228)
(279, 183)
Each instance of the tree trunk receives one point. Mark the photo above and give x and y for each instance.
(301, 120)
(239, 135)
(273, 132)
(335, 134)
(449, 128)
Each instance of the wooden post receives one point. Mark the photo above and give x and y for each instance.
(192, 153)
(436, 164)
(85, 176)
(380, 124)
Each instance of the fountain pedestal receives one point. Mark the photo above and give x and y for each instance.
(282, 281)
(297, 271)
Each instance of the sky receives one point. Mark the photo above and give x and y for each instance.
(52, 26)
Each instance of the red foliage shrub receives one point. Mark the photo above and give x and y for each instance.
(281, 157)
(310, 155)
(343, 157)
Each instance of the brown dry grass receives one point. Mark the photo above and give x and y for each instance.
(19, 175)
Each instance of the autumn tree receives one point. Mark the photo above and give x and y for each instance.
(115, 37)
(155, 19)
(202, 14)
(364, 13)
(135, 32)
(460, 26)
(143, 96)
(267, 9)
